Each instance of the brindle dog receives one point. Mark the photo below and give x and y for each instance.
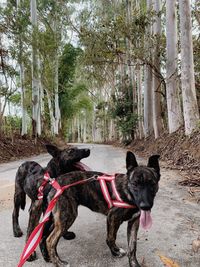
(137, 187)
(30, 176)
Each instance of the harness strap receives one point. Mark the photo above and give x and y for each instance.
(119, 203)
(46, 179)
(105, 192)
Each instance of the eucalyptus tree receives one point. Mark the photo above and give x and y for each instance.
(190, 107)
(156, 97)
(8, 71)
(148, 108)
(36, 92)
(24, 127)
(175, 119)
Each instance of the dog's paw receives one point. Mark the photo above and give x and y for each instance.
(62, 263)
(134, 263)
(33, 257)
(18, 233)
(47, 258)
(69, 235)
(119, 253)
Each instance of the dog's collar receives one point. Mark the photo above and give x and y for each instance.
(118, 202)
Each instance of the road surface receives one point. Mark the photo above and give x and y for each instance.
(176, 221)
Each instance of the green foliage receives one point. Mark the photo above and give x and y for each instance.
(73, 95)
(73, 100)
(12, 124)
(67, 66)
(122, 111)
(14, 121)
(15, 99)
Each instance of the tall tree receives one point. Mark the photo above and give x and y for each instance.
(56, 24)
(128, 51)
(175, 119)
(148, 118)
(36, 118)
(157, 109)
(190, 108)
(22, 78)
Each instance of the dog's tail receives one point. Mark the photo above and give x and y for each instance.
(22, 200)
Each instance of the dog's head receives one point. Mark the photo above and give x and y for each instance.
(143, 181)
(68, 156)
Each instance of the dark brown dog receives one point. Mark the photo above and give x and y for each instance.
(30, 176)
(137, 187)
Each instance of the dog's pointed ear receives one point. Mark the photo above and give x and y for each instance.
(154, 163)
(131, 161)
(52, 150)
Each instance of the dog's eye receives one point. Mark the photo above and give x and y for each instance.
(71, 151)
(135, 185)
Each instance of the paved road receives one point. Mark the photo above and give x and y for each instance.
(176, 222)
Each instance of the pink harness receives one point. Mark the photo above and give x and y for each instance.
(117, 202)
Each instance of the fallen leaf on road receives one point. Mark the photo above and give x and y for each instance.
(196, 245)
(168, 262)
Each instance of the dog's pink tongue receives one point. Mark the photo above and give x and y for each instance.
(145, 219)
(81, 166)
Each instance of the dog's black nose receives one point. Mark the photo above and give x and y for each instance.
(145, 206)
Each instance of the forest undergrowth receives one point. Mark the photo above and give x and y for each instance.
(176, 150)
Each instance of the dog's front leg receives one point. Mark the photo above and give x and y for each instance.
(132, 230)
(34, 217)
(113, 223)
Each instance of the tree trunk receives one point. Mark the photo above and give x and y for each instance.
(157, 119)
(57, 108)
(36, 120)
(85, 128)
(190, 108)
(78, 128)
(148, 116)
(51, 115)
(129, 60)
(23, 93)
(175, 119)
(139, 103)
(24, 130)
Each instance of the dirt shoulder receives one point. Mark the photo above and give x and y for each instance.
(176, 150)
(20, 147)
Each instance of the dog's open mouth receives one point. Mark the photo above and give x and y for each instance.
(145, 219)
(81, 166)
